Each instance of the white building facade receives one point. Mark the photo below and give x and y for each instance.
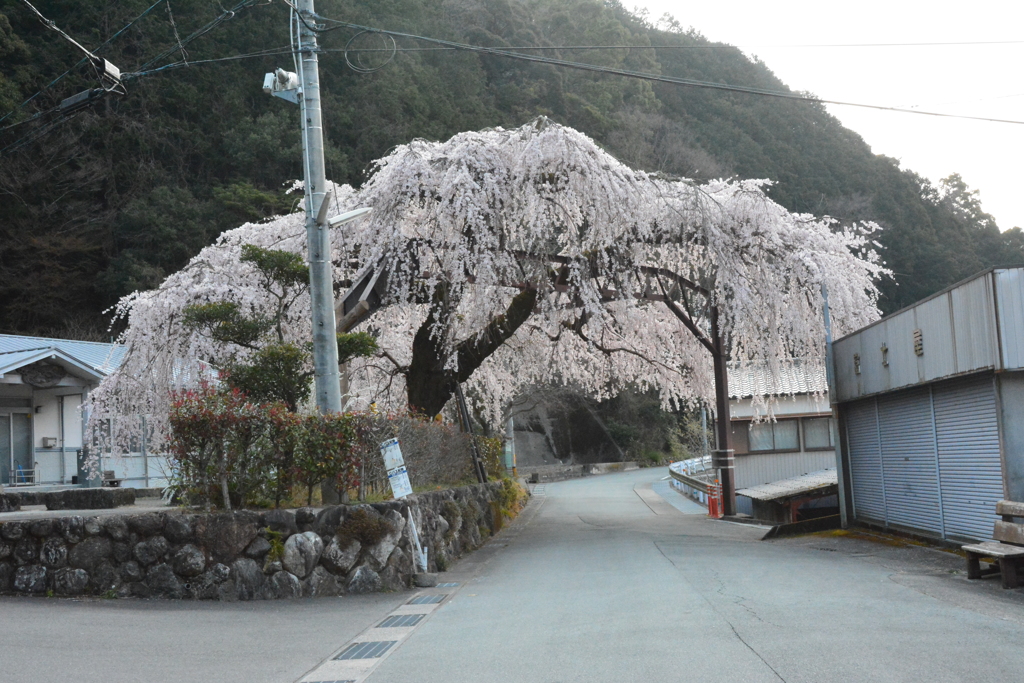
(44, 384)
(799, 440)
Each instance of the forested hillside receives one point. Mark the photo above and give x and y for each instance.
(126, 192)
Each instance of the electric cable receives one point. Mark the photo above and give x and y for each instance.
(357, 65)
(582, 66)
(48, 23)
(174, 27)
(79, 63)
(283, 50)
(66, 116)
(225, 15)
(37, 133)
(701, 47)
(34, 117)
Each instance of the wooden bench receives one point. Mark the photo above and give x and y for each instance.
(1008, 548)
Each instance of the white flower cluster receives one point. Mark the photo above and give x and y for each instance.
(466, 224)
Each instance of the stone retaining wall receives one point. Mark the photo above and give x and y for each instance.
(249, 555)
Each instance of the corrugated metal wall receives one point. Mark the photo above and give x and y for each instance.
(1010, 295)
(753, 469)
(959, 334)
(928, 458)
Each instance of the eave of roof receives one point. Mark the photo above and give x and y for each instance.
(101, 357)
(11, 361)
(813, 482)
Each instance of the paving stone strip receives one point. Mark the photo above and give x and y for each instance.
(356, 660)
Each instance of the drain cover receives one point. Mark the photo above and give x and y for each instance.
(370, 650)
(447, 585)
(401, 620)
(427, 599)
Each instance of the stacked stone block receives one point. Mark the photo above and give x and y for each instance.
(245, 555)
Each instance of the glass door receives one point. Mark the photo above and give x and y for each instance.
(5, 448)
(16, 461)
(21, 448)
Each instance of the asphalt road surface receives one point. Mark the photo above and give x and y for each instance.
(603, 579)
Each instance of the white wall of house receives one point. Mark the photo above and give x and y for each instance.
(794, 414)
(57, 415)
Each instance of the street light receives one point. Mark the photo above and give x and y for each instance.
(348, 216)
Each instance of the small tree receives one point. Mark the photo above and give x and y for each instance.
(283, 434)
(200, 422)
(325, 453)
(259, 361)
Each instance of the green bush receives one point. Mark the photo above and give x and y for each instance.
(228, 450)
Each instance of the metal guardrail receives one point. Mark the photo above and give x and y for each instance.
(685, 472)
(692, 482)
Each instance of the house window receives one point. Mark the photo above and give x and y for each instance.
(818, 433)
(782, 435)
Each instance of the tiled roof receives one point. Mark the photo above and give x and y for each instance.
(794, 377)
(99, 356)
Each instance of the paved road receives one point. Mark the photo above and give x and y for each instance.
(602, 579)
(609, 583)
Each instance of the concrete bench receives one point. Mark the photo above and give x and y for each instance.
(1007, 550)
(110, 479)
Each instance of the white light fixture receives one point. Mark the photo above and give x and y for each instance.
(348, 216)
(283, 84)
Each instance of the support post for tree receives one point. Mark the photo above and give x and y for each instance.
(467, 427)
(722, 459)
(321, 279)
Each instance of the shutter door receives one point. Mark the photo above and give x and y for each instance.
(909, 460)
(865, 462)
(969, 464)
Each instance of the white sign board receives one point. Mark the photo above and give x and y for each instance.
(394, 463)
(392, 454)
(400, 484)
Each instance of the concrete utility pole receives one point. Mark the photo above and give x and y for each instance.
(722, 459)
(321, 279)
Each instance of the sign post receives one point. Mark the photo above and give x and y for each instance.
(398, 477)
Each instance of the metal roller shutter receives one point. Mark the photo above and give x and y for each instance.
(865, 461)
(970, 469)
(909, 461)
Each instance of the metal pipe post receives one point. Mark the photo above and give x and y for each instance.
(830, 377)
(321, 278)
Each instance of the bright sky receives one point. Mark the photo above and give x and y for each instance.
(973, 80)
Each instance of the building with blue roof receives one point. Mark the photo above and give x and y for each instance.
(44, 384)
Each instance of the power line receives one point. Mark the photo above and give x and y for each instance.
(574, 65)
(78, 64)
(284, 50)
(48, 23)
(643, 75)
(692, 47)
(226, 15)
